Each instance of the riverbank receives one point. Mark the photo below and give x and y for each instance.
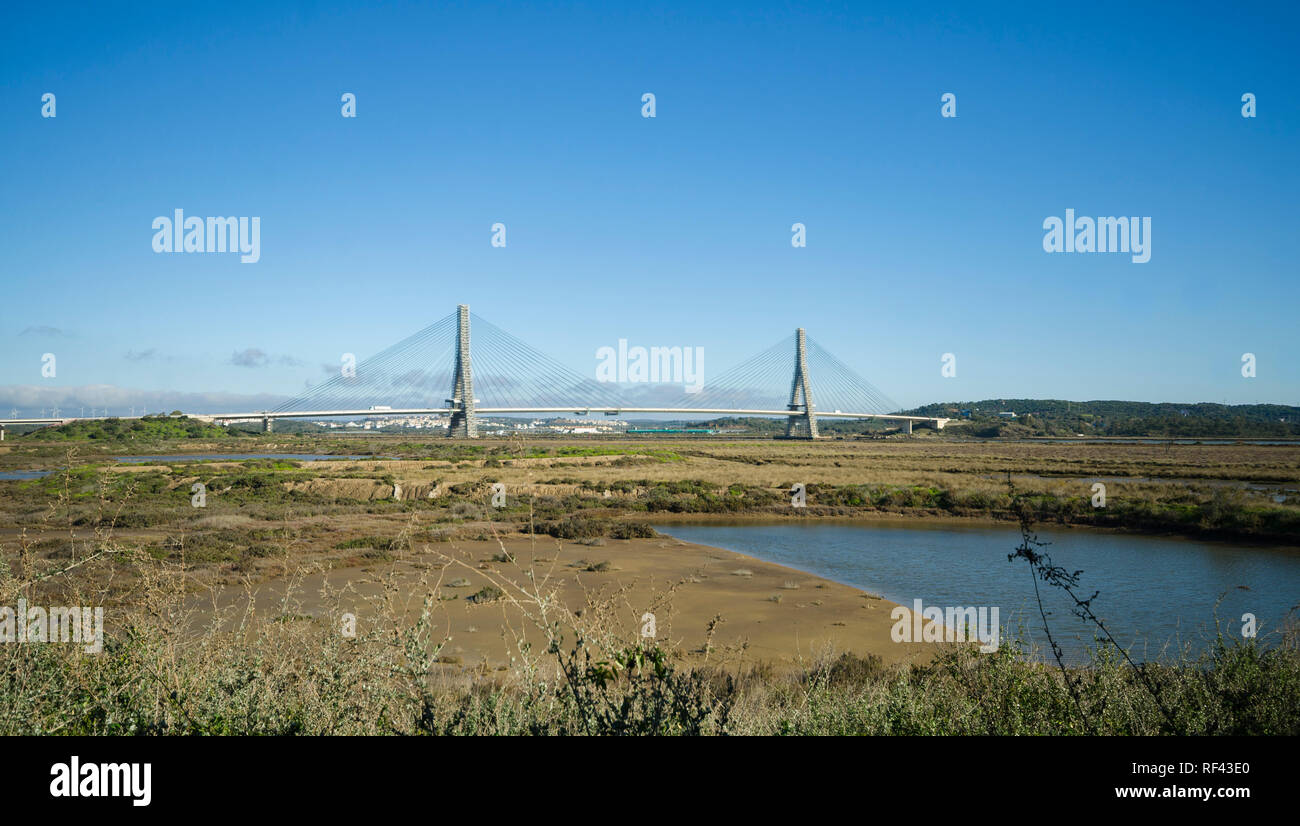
(712, 605)
(393, 668)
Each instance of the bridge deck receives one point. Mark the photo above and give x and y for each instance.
(578, 410)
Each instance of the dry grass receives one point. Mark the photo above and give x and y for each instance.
(185, 659)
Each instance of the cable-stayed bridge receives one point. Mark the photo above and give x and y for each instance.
(440, 370)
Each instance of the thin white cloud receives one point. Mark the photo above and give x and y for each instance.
(251, 357)
(45, 331)
(255, 357)
(30, 399)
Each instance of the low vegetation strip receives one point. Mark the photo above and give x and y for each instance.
(605, 497)
(297, 675)
(146, 428)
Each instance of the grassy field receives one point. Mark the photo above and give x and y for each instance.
(349, 511)
(129, 537)
(1249, 492)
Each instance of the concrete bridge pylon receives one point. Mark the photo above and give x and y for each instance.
(804, 425)
(464, 417)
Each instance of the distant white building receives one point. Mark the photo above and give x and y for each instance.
(1008, 414)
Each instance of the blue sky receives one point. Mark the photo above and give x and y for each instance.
(924, 234)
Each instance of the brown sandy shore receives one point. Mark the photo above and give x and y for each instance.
(761, 612)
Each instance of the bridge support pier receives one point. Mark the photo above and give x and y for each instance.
(2, 433)
(905, 426)
(266, 424)
(803, 426)
(464, 421)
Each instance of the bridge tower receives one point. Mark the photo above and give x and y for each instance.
(464, 421)
(803, 425)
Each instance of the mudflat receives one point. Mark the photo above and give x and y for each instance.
(710, 604)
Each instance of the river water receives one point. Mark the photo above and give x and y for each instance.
(1154, 591)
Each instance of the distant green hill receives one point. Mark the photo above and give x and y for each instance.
(145, 428)
(1055, 417)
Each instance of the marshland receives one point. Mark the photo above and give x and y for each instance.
(557, 586)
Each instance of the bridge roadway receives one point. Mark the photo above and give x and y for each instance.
(577, 410)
